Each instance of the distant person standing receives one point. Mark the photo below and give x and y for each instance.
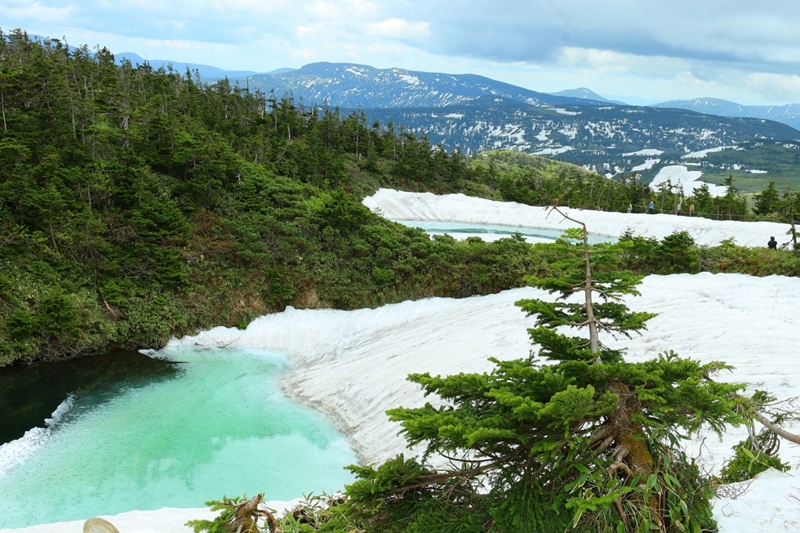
(772, 244)
(630, 208)
(651, 207)
(678, 210)
(691, 209)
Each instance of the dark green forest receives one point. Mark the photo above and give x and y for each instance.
(138, 204)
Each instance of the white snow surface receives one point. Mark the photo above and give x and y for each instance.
(562, 111)
(351, 365)
(397, 205)
(553, 151)
(17, 451)
(688, 179)
(646, 151)
(647, 165)
(703, 153)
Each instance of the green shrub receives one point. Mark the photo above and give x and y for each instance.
(748, 462)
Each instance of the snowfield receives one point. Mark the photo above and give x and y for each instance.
(460, 208)
(351, 365)
(689, 180)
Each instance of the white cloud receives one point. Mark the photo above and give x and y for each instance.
(400, 29)
(731, 49)
(347, 11)
(776, 87)
(167, 44)
(35, 11)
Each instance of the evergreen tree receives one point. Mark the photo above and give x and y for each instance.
(701, 197)
(573, 437)
(731, 204)
(788, 208)
(767, 200)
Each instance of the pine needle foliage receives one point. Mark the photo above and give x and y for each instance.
(572, 438)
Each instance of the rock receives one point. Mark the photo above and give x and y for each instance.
(98, 525)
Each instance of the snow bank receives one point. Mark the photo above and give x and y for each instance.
(351, 365)
(397, 205)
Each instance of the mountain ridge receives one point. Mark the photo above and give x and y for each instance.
(787, 114)
(588, 94)
(609, 139)
(351, 85)
(473, 113)
(206, 71)
(308, 83)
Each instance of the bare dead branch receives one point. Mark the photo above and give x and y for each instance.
(775, 428)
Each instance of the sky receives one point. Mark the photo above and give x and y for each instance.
(658, 50)
(705, 317)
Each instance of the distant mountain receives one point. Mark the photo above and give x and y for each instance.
(586, 94)
(609, 139)
(359, 86)
(631, 100)
(787, 114)
(206, 71)
(354, 86)
(474, 114)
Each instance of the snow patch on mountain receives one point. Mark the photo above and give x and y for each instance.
(645, 152)
(411, 80)
(700, 154)
(647, 165)
(689, 180)
(553, 151)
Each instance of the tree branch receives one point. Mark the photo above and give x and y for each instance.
(775, 428)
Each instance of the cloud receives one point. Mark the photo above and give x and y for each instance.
(20, 10)
(211, 21)
(779, 88)
(719, 31)
(399, 29)
(171, 45)
(680, 45)
(339, 10)
(731, 31)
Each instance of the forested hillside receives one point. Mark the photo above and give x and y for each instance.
(137, 204)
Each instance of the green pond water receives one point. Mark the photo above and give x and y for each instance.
(444, 227)
(213, 424)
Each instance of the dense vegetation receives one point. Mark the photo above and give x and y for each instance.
(771, 161)
(571, 438)
(137, 204)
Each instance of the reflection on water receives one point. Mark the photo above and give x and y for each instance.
(217, 426)
(30, 393)
(442, 227)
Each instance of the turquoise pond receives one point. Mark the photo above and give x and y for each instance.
(217, 425)
(443, 227)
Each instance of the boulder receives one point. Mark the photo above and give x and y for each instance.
(98, 525)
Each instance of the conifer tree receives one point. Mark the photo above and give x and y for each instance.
(571, 438)
(767, 200)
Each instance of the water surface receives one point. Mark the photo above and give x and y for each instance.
(443, 227)
(216, 426)
(30, 393)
